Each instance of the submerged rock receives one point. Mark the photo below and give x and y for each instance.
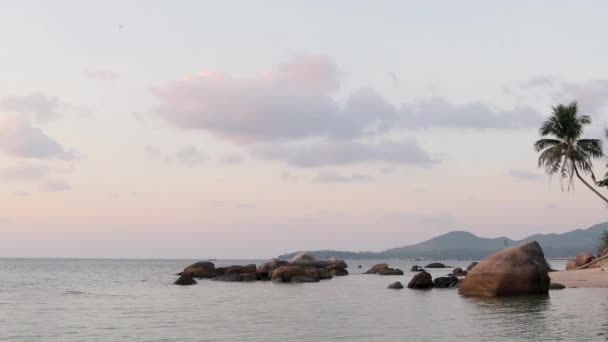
(516, 270)
(186, 278)
(421, 280)
(390, 271)
(435, 265)
(458, 272)
(556, 286)
(396, 285)
(336, 271)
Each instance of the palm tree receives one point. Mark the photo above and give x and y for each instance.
(563, 152)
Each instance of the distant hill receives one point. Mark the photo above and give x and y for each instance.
(464, 245)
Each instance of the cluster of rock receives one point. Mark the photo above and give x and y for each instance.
(304, 267)
(383, 269)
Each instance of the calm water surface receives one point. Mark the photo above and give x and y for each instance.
(134, 300)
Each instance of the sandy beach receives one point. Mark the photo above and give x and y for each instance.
(593, 277)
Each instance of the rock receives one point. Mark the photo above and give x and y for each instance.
(415, 268)
(390, 271)
(556, 286)
(445, 282)
(421, 280)
(376, 268)
(470, 267)
(570, 265)
(336, 270)
(304, 259)
(251, 268)
(517, 270)
(336, 262)
(237, 273)
(304, 279)
(186, 278)
(458, 272)
(229, 277)
(359, 266)
(435, 265)
(396, 285)
(583, 258)
(285, 274)
(201, 269)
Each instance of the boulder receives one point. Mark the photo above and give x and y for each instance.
(286, 274)
(237, 273)
(390, 271)
(304, 259)
(396, 285)
(470, 267)
(435, 265)
(323, 273)
(201, 269)
(517, 270)
(570, 265)
(421, 280)
(335, 262)
(445, 282)
(359, 266)
(304, 279)
(336, 271)
(186, 278)
(415, 268)
(459, 272)
(376, 268)
(583, 259)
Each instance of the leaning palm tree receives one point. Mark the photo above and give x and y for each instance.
(562, 152)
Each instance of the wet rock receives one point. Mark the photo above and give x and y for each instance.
(186, 278)
(421, 280)
(201, 269)
(266, 268)
(390, 271)
(445, 282)
(415, 268)
(377, 268)
(556, 286)
(285, 274)
(336, 271)
(335, 263)
(517, 270)
(396, 285)
(459, 272)
(435, 265)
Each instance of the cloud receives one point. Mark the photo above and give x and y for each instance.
(54, 186)
(100, 74)
(41, 106)
(344, 152)
(24, 172)
(592, 96)
(332, 177)
(539, 82)
(18, 138)
(190, 156)
(437, 112)
(231, 159)
(525, 175)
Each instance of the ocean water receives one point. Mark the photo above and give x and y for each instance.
(134, 300)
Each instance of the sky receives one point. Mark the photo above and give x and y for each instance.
(247, 129)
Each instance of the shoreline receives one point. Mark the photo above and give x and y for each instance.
(586, 278)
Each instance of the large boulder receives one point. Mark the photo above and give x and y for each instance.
(396, 285)
(377, 268)
(336, 263)
(445, 282)
(264, 271)
(336, 271)
(471, 266)
(304, 259)
(201, 269)
(435, 265)
(236, 273)
(517, 270)
(583, 259)
(390, 271)
(286, 274)
(186, 278)
(421, 280)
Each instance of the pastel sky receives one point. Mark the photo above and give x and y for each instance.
(246, 129)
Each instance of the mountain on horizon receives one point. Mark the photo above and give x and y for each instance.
(465, 245)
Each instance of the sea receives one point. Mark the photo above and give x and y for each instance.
(135, 300)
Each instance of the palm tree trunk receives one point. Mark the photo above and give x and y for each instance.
(588, 185)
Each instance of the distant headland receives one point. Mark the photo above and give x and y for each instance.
(465, 245)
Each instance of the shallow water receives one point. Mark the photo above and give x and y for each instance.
(134, 300)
